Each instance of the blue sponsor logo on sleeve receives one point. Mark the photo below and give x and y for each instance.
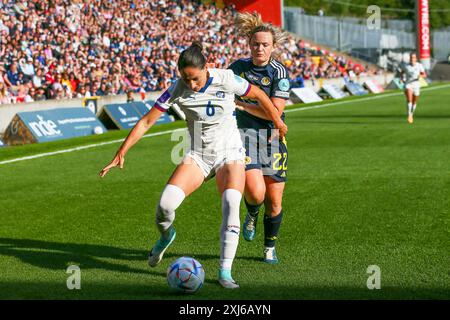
(164, 97)
(284, 85)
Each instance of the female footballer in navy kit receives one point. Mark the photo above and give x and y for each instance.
(265, 166)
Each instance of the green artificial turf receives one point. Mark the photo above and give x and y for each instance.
(364, 188)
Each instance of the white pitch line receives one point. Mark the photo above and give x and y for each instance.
(40, 155)
(363, 99)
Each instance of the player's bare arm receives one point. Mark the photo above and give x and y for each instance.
(135, 135)
(257, 111)
(270, 110)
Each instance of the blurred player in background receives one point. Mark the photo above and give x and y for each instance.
(410, 73)
(207, 98)
(265, 175)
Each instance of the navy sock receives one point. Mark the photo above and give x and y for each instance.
(251, 208)
(271, 227)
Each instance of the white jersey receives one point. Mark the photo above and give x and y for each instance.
(412, 72)
(211, 110)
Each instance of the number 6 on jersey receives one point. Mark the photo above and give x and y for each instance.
(210, 110)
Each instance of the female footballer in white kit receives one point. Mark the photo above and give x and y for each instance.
(410, 76)
(207, 98)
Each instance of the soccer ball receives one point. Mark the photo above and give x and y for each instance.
(185, 275)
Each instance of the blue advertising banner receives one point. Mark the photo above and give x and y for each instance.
(50, 125)
(126, 115)
(355, 89)
(143, 107)
(333, 91)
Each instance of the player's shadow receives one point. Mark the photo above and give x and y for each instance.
(57, 256)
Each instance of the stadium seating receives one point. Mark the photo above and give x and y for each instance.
(62, 50)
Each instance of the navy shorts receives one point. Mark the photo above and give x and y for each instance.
(271, 158)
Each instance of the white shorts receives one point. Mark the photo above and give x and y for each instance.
(414, 86)
(209, 164)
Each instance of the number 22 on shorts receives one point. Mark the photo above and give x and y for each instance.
(277, 165)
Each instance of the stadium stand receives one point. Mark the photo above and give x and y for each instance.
(74, 49)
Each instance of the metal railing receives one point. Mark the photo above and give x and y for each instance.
(345, 34)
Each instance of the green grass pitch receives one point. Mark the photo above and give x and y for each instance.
(365, 188)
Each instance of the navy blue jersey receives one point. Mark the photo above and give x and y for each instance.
(272, 78)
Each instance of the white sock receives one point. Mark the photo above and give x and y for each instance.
(414, 107)
(229, 231)
(410, 106)
(171, 198)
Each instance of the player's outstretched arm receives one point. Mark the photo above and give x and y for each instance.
(259, 112)
(136, 133)
(268, 108)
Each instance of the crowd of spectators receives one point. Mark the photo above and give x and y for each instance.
(79, 48)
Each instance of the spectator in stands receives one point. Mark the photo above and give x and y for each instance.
(73, 83)
(5, 97)
(27, 68)
(38, 78)
(29, 97)
(12, 76)
(21, 94)
(40, 94)
(2, 73)
(130, 97)
(298, 82)
(81, 92)
(57, 84)
(66, 84)
(60, 93)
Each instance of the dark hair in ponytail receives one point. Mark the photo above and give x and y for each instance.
(192, 57)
